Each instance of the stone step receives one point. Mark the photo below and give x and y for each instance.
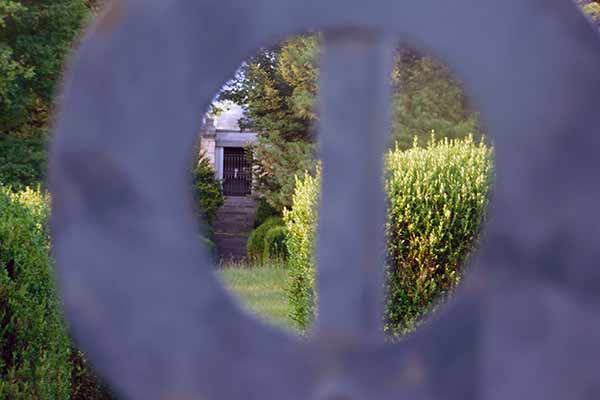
(231, 247)
(245, 204)
(236, 213)
(233, 228)
(236, 210)
(234, 218)
(240, 201)
(233, 223)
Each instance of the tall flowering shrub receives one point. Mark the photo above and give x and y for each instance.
(437, 199)
(301, 222)
(35, 347)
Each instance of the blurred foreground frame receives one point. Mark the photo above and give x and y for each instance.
(140, 294)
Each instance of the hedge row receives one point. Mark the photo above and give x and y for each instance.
(437, 200)
(34, 363)
(301, 222)
(267, 242)
(37, 358)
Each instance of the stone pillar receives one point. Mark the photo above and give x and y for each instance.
(208, 138)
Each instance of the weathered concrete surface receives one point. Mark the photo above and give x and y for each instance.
(140, 294)
(232, 226)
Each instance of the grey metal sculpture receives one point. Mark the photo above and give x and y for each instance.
(138, 289)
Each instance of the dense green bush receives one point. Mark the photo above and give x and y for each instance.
(22, 161)
(274, 243)
(275, 247)
(33, 337)
(438, 196)
(35, 348)
(255, 246)
(207, 190)
(264, 211)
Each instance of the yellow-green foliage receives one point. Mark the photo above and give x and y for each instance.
(591, 8)
(37, 202)
(37, 360)
(34, 346)
(301, 223)
(437, 198)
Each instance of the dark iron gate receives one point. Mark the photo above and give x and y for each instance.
(237, 172)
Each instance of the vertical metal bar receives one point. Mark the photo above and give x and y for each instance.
(355, 101)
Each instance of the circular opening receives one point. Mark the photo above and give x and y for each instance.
(258, 180)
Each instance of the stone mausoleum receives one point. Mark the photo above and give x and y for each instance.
(224, 144)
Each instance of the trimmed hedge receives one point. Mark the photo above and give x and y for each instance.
(255, 246)
(263, 212)
(275, 248)
(35, 347)
(301, 222)
(38, 361)
(438, 196)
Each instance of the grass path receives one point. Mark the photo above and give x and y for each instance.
(261, 290)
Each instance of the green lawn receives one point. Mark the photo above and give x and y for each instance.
(261, 290)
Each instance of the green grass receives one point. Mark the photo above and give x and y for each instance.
(261, 290)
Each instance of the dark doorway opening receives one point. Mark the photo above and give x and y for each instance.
(237, 172)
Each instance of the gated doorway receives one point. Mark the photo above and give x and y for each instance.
(237, 174)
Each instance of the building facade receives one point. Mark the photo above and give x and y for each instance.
(225, 145)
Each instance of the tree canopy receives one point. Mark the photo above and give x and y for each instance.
(279, 90)
(35, 38)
